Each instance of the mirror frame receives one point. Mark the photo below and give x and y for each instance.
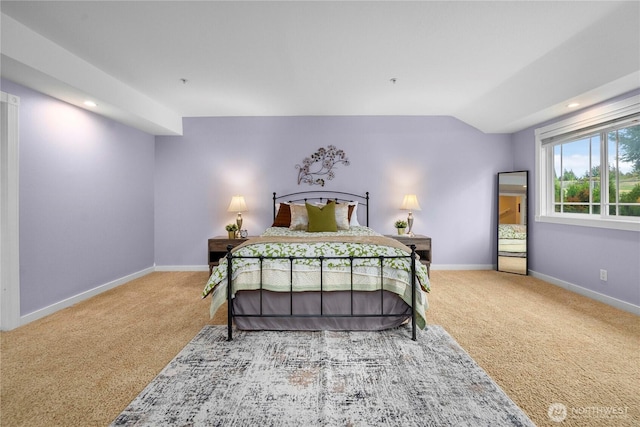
(526, 216)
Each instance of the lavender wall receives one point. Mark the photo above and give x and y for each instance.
(86, 200)
(448, 164)
(576, 254)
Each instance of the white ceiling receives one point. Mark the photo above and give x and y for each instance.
(499, 66)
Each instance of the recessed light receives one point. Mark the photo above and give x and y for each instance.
(573, 105)
(90, 104)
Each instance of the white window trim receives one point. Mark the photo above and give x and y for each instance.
(544, 166)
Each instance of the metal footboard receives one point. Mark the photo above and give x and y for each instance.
(230, 311)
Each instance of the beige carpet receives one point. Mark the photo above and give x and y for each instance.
(543, 345)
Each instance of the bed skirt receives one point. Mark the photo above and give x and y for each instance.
(336, 309)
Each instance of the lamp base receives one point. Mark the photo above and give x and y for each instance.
(239, 224)
(239, 220)
(410, 224)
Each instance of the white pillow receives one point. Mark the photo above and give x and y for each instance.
(354, 215)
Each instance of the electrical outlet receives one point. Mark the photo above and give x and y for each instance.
(603, 275)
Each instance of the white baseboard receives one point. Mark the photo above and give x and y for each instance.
(38, 314)
(614, 302)
(462, 267)
(182, 268)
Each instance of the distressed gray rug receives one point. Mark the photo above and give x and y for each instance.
(322, 379)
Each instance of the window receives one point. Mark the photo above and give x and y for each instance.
(589, 168)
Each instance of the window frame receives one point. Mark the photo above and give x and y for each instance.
(544, 166)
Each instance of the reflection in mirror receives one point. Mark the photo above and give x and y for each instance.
(512, 222)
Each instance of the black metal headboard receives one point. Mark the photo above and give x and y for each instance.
(319, 195)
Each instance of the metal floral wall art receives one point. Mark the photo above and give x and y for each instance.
(316, 169)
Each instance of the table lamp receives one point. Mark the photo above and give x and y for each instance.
(410, 203)
(238, 205)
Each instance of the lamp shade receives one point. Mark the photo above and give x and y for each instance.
(237, 204)
(410, 202)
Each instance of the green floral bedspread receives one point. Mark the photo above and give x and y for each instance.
(275, 274)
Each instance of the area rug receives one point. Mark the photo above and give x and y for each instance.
(265, 378)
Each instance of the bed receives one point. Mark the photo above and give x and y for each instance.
(304, 273)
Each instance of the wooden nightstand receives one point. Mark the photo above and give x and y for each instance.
(217, 248)
(423, 246)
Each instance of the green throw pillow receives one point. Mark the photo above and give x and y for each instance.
(322, 218)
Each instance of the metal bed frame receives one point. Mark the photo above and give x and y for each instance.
(305, 196)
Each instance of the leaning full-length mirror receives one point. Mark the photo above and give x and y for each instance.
(512, 222)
